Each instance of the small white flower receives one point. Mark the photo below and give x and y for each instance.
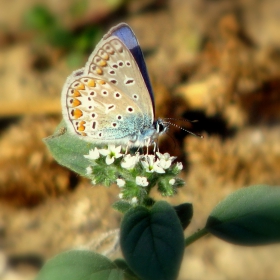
(172, 182)
(142, 181)
(120, 182)
(111, 153)
(179, 166)
(88, 170)
(130, 161)
(134, 200)
(151, 165)
(158, 168)
(93, 154)
(120, 195)
(165, 160)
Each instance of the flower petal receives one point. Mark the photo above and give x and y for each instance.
(109, 160)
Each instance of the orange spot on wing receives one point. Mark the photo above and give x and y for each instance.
(80, 87)
(99, 71)
(102, 63)
(91, 83)
(76, 102)
(76, 93)
(81, 126)
(101, 82)
(105, 56)
(77, 113)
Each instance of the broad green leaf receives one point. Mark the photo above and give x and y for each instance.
(152, 241)
(185, 213)
(121, 206)
(249, 216)
(83, 265)
(128, 273)
(69, 150)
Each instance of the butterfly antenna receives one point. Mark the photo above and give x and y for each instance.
(181, 119)
(175, 125)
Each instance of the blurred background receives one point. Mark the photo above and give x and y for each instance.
(215, 61)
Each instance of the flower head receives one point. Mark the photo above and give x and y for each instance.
(129, 161)
(179, 166)
(93, 154)
(151, 165)
(88, 170)
(165, 160)
(134, 200)
(141, 181)
(172, 181)
(120, 182)
(111, 153)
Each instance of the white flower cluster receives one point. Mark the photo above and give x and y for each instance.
(158, 163)
(149, 162)
(111, 154)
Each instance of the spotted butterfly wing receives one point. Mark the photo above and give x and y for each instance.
(109, 101)
(126, 35)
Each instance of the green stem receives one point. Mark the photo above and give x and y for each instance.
(200, 233)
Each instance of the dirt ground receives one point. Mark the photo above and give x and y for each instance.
(217, 62)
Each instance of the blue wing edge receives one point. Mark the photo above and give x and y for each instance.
(126, 35)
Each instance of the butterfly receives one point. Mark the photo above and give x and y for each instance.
(110, 100)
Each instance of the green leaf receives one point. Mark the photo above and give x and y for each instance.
(86, 265)
(121, 264)
(121, 206)
(249, 216)
(69, 150)
(185, 213)
(152, 241)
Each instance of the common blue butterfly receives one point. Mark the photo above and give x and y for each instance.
(110, 100)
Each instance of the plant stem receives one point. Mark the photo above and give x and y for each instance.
(200, 233)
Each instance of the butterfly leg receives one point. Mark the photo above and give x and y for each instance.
(155, 147)
(147, 144)
(126, 149)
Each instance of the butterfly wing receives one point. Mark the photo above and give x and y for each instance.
(99, 111)
(108, 100)
(115, 62)
(126, 35)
